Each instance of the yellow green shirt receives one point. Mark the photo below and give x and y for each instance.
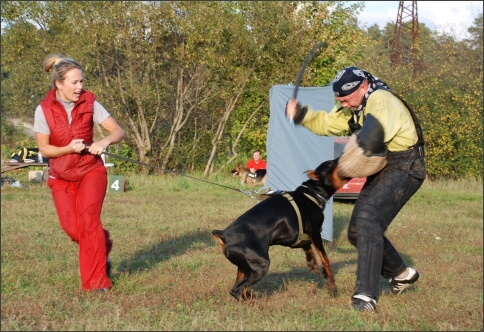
(400, 133)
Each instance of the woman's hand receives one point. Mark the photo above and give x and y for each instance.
(77, 145)
(97, 148)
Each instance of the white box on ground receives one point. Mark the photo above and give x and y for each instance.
(36, 176)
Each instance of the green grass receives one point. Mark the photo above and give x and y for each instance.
(169, 273)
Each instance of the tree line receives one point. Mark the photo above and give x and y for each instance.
(189, 81)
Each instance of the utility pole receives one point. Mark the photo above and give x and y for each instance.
(398, 51)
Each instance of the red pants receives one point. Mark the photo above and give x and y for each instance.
(79, 206)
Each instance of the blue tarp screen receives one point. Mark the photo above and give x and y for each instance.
(291, 149)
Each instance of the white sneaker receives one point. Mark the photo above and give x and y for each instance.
(362, 302)
(399, 285)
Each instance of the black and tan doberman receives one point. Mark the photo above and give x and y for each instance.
(292, 219)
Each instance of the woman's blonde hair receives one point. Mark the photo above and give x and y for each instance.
(58, 65)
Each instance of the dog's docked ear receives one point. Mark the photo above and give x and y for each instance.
(328, 170)
(323, 170)
(312, 175)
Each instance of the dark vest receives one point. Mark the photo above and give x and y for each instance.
(72, 166)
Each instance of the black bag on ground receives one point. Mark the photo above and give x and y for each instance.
(26, 155)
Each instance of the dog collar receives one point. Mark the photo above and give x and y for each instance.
(318, 202)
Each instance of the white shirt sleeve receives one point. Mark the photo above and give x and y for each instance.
(40, 123)
(100, 113)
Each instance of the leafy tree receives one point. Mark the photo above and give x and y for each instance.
(189, 81)
(445, 92)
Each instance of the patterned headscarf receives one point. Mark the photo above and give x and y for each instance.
(349, 79)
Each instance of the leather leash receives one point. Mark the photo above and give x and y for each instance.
(250, 193)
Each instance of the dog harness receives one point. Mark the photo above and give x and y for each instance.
(301, 236)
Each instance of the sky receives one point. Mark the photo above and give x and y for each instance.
(450, 17)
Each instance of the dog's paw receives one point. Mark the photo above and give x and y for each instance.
(332, 289)
(248, 295)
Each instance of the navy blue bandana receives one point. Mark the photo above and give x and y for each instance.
(348, 80)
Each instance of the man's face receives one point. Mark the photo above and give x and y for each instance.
(256, 155)
(353, 100)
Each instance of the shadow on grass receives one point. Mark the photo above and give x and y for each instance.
(144, 259)
(340, 225)
(276, 282)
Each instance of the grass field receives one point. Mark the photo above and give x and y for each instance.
(170, 274)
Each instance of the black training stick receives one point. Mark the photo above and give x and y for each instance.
(305, 63)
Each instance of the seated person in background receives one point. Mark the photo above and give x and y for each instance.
(256, 163)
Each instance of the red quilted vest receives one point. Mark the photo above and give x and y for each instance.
(73, 166)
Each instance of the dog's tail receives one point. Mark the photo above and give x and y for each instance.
(217, 232)
(218, 235)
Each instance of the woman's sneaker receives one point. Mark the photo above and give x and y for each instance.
(399, 285)
(362, 302)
